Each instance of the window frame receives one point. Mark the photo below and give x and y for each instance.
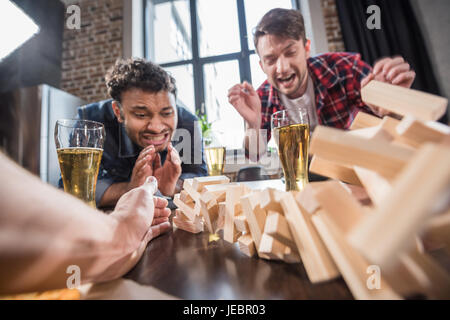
(197, 62)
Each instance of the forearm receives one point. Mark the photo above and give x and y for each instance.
(113, 194)
(43, 231)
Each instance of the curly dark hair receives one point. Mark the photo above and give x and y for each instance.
(288, 23)
(137, 73)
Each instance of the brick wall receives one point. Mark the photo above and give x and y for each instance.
(90, 51)
(332, 26)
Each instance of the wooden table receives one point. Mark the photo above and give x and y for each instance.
(189, 266)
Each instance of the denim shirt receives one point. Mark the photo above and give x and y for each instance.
(120, 153)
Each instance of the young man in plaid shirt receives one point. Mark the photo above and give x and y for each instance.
(329, 85)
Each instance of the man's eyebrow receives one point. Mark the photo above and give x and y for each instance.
(139, 108)
(167, 108)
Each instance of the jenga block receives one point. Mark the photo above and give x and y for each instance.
(221, 219)
(337, 201)
(364, 120)
(337, 146)
(185, 197)
(438, 229)
(246, 245)
(306, 199)
(270, 200)
(318, 263)
(277, 227)
(332, 170)
(233, 195)
(200, 182)
(402, 101)
(271, 247)
(187, 186)
(376, 186)
(381, 237)
(191, 210)
(358, 193)
(255, 215)
(217, 188)
(210, 213)
(415, 133)
(241, 224)
(351, 264)
(291, 255)
(182, 222)
(372, 133)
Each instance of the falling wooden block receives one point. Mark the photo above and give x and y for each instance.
(241, 224)
(364, 120)
(270, 200)
(353, 267)
(256, 216)
(210, 212)
(337, 201)
(372, 133)
(306, 199)
(318, 263)
(233, 194)
(382, 236)
(271, 247)
(277, 227)
(376, 186)
(182, 222)
(403, 101)
(199, 182)
(291, 255)
(332, 170)
(437, 229)
(221, 218)
(337, 146)
(417, 273)
(191, 210)
(185, 197)
(193, 193)
(246, 245)
(415, 133)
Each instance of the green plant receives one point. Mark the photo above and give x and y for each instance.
(205, 125)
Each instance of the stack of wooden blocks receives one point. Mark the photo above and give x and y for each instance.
(389, 198)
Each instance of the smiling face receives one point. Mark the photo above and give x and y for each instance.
(283, 60)
(149, 118)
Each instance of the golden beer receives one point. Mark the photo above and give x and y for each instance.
(293, 143)
(79, 170)
(215, 159)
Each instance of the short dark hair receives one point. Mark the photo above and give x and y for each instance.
(281, 23)
(137, 73)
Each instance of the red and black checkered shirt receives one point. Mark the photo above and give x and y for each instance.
(337, 88)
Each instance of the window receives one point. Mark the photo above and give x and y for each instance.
(207, 46)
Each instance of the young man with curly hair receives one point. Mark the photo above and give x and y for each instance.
(140, 121)
(328, 85)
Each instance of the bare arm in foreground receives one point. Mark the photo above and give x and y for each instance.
(43, 231)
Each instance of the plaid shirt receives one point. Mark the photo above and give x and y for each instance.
(337, 88)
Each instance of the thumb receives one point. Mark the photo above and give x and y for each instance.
(247, 86)
(367, 79)
(157, 230)
(151, 184)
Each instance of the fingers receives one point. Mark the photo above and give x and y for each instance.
(367, 79)
(157, 230)
(156, 162)
(405, 78)
(247, 86)
(174, 156)
(379, 65)
(160, 203)
(384, 65)
(396, 70)
(160, 220)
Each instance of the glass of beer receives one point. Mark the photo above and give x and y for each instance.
(290, 129)
(79, 144)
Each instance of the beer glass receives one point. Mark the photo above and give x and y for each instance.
(290, 128)
(79, 144)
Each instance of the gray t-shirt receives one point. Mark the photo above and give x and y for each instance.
(306, 101)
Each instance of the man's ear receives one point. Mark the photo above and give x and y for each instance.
(117, 112)
(308, 48)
